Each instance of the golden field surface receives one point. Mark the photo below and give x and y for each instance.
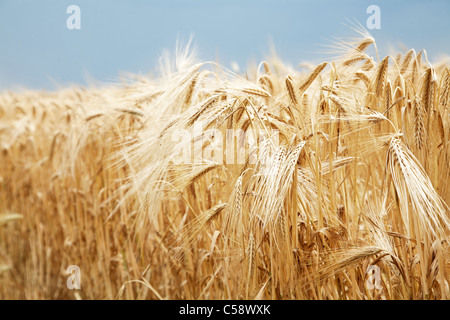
(349, 171)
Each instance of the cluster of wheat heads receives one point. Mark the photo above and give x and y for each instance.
(350, 172)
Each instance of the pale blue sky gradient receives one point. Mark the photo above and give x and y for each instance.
(37, 50)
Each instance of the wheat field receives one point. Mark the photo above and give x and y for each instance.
(199, 183)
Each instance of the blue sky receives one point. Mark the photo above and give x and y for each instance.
(38, 51)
